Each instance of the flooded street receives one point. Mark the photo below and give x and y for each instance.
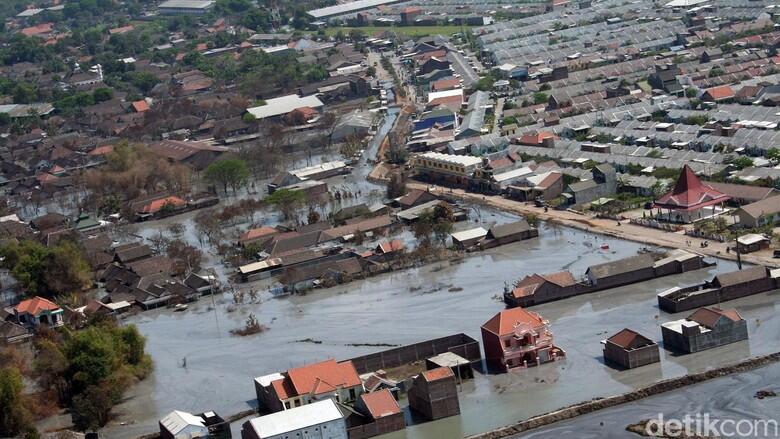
(405, 307)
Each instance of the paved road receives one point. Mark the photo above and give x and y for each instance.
(608, 227)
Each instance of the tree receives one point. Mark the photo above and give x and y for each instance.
(773, 155)
(287, 201)
(90, 409)
(14, 416)
(396, 186)
(231, 172)
(313, 216)
(47, 270)
(540, 98)
(189, 256)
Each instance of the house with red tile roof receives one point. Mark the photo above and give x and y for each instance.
(434, 394)
(156, 206)
(721, 93)
(381, 415)
(706, 328)
(38, 311)
(543, 139)
(306, 384)
(258, 235)
(38, 30)
(140, 106)
(518, 338)
(539, 288)
(629, 349)
(121, 30)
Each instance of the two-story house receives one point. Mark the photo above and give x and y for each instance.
(518, 338)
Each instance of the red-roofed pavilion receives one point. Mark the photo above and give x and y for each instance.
(689, 196)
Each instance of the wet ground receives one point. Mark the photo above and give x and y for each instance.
(406, 307)
(735, 401)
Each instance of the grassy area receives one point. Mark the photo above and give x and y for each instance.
(411, 31)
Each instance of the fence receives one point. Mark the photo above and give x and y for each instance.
(653, 224)
(459, 344)
(710, 237)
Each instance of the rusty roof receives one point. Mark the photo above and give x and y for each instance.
(709, 316)
(628, 339)
(439, 373)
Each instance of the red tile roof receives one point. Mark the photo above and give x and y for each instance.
(628, 339)
(437, 374)
(121, 30)
(391, 246)
(536, 137)
(102, 150)
(156, 205)
(445, 84)
(504, 323)
(710, 316)
(550, 180)
(35, 306)
(381, 403)
(257, 233)
(323, 377)
(690, 193)
(38, 29)
(140, 106)
(720, 92)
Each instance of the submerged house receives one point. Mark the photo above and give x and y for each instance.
(307, 384)
(518, 338)
(32, 313)
(630, 349)
(704, 329)
(723, 287)
(541, 288)
(434, 394)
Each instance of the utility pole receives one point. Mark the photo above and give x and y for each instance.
(739, 254)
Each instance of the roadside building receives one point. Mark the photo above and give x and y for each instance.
(629, 349)
(319, 420)
(415, 197)
(518, 338)
(434, 394)
(752, 242)
(446, 168)
(32, 313)
(688, 198)
(760, 213)
(704, 329)
(307, 384)
(510, 232)
(278, 107)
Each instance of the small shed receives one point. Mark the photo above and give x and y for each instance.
(468, 238)
(752, 242)
(460, 366)
(629, 349)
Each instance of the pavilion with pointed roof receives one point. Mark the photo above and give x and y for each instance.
(688, 199)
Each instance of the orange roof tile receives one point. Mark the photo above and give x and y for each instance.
(391, 246)
(437, 374)
(381, 403)
(257, 233)
(720, 92)
(323, 377)
(35, 306)
(102, 150)
(140, 106)
(628, 339)
(38, 29)
(156, 205)
(504, 323)
(121, 30)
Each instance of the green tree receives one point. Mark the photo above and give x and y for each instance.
(14, 416)
(102, 94)
(773, 155)
(540, 98)
(230, 172)
(90, 410)
(287, 201)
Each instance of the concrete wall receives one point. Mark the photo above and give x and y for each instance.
(460, 344)
(633, 358)
(434, 400)
(725, 333)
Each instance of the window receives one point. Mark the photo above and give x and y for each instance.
(351, 393)
(507, 343)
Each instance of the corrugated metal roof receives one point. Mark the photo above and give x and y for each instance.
(296, 418)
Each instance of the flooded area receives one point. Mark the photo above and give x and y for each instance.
(735, 402)
(406, 307)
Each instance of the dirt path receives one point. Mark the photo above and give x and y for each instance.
(606, 227)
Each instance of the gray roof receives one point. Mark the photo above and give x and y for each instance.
(621, 266)
(502, 230)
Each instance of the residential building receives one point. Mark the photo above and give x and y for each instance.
(278, 107)
(688, 198)
(719, 94)
(183, 425)
(434, 394)
(621, 272)
(381, 415)
(704, 329)
(629, 349)
(13, 333)
(319, 420)
(518, 338)
(723, 287)
(307, 384)
(539, 288)
(438, 167)
(760, 213)
(186, 7)
(466, 239)
(603, 184)
(38, 311)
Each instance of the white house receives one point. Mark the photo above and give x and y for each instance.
(318, 420)
(183, 425)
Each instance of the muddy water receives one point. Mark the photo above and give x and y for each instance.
(406, 307)
(727, 398)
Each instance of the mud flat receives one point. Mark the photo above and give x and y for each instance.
(415, 305)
